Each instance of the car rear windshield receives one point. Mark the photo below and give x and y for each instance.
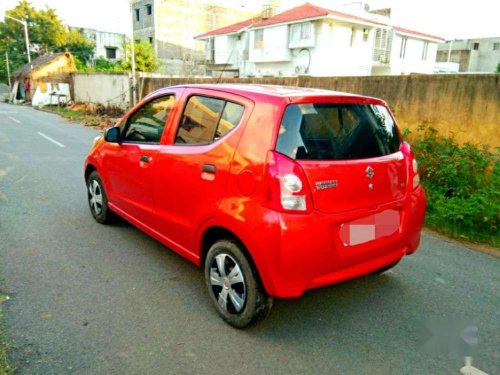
(327, 131)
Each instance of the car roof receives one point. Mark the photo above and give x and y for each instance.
(271, 90)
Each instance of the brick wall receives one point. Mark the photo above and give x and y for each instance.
(466, 105)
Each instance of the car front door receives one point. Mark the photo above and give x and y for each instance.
(130, 164)
(192, 169)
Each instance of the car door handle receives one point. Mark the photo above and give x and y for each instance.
(146, 159)
(208, 168)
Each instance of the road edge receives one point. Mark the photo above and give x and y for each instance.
(478, 247)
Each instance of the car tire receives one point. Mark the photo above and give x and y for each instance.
(234, 286)
(386, 268)
(97, 199)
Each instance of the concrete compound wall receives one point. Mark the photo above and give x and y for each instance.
(465, 105)
(111, 89)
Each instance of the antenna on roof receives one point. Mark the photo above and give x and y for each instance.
(225, 66)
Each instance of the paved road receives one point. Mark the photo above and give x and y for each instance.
(93, 299)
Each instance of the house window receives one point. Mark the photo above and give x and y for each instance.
(258, 39)
(353, 36)
(402, 52)
(151, 40)
(366, 34)
(496, 46)
(301, 32)
(424, 51)
(149, 9)
(110, 53)
(476, 46)
(137, 15)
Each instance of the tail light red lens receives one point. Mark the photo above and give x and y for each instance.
(416, 176)
(412, 164)
(286, 187)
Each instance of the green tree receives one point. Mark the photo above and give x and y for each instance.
(498, 68)
(145, 59)
(103, 65)
(45, 28)
(79, 45)
(16, 57)
(46, 33)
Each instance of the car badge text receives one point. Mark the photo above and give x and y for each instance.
(322, 185)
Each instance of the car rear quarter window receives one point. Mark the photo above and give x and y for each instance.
(207, 119)
(327, 131)
(231, 117)
(147, 123)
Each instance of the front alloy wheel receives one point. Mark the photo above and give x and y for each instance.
(97, 199)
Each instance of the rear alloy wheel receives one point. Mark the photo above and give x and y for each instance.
(97, 199)
(233, 285)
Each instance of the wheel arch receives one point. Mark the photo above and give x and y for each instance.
(88, 170)
(215, 233)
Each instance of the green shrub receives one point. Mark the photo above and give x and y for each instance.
(462, 183)
(4, 366)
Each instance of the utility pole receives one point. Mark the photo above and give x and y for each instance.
(8, 67)
(26, 37)
(132, 50)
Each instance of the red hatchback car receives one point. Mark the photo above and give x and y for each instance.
(273, 190)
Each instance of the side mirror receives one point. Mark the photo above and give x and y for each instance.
(112, 135)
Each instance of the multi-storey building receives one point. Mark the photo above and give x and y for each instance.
(472, 55)
(320, 42)
(108, 45)
(170, 26)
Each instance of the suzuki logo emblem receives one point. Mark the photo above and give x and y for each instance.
(369, 172)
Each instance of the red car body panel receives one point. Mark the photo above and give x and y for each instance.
(173, 200)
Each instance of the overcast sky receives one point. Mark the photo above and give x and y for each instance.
(447, 18)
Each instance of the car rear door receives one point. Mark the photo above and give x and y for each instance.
(192, 170)
(348, 150)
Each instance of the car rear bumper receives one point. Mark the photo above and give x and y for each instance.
(308, 251)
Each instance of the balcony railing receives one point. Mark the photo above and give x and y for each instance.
(382, 55)
(382, 46)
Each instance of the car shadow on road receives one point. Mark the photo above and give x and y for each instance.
(371, 303)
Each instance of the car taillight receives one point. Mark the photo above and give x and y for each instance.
(286, 187)
(416, 176)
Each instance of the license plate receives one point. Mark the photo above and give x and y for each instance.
(370, 228)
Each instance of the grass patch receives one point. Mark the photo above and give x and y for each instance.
(90, 115)
(462, 184)
(67, 112)
(4, 367)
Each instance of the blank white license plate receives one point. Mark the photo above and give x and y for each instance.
(370, 228)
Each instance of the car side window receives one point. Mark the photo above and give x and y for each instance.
(147, 123)
(206, 119)
(231, 117)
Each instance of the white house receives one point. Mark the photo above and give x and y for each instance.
(227, 49)
(403, 51)
(471, 55)
(310, 40)
(304, 40)
(108, 45)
